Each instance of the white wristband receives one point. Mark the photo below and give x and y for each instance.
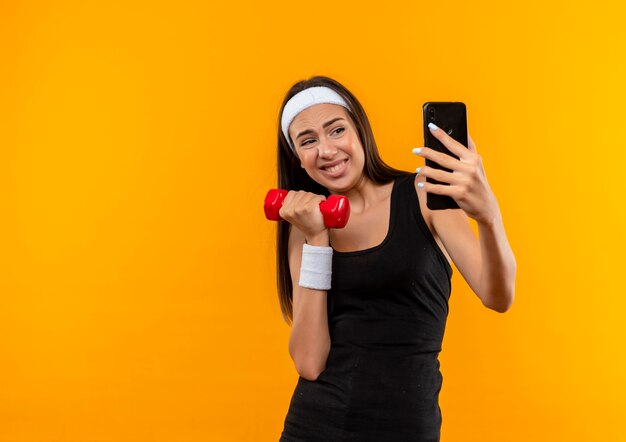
(316, 267)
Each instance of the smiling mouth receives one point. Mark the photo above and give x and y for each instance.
(335, 169)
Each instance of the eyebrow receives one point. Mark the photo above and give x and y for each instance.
(325, 125)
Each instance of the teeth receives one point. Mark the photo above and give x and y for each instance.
(336, 168)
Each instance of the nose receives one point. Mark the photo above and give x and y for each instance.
(326, 149)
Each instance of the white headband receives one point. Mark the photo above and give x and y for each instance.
(305, 99)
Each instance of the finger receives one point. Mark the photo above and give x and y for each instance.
(288, 197)
(439, 175)
(321, 197)
(444, 160)
(313, 201)
(471, 144)
(313, 198)
(439, 189)
(299, 198)
(453, 145)
(283, 211)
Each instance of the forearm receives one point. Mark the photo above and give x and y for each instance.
(309, 343)
(497, 281)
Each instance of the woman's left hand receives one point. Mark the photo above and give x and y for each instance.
(467, 182)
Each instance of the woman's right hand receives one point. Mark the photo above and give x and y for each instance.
(302, 209)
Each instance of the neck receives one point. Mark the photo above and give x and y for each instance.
(363, 195)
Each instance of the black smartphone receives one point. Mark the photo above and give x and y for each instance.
(450, 116)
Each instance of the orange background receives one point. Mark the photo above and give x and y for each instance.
(138, 297)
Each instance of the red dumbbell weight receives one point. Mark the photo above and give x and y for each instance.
(336, 208)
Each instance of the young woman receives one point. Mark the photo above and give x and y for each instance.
(368, 303)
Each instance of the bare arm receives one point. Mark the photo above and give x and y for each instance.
(487, 264)
(309, 341)
(497, 279)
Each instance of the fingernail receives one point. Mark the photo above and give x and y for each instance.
(433, 126)
(418, 169)
(420, 185)
(417, 150)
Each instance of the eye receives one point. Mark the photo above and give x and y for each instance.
(305, 142)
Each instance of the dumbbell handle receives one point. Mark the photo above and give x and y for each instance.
(336, 208)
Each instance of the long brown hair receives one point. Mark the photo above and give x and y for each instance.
(292, 177)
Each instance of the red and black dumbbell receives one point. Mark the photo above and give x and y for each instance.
(336, 208)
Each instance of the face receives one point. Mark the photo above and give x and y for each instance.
(320, 145)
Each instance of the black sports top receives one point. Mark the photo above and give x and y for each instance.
(387, 312)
